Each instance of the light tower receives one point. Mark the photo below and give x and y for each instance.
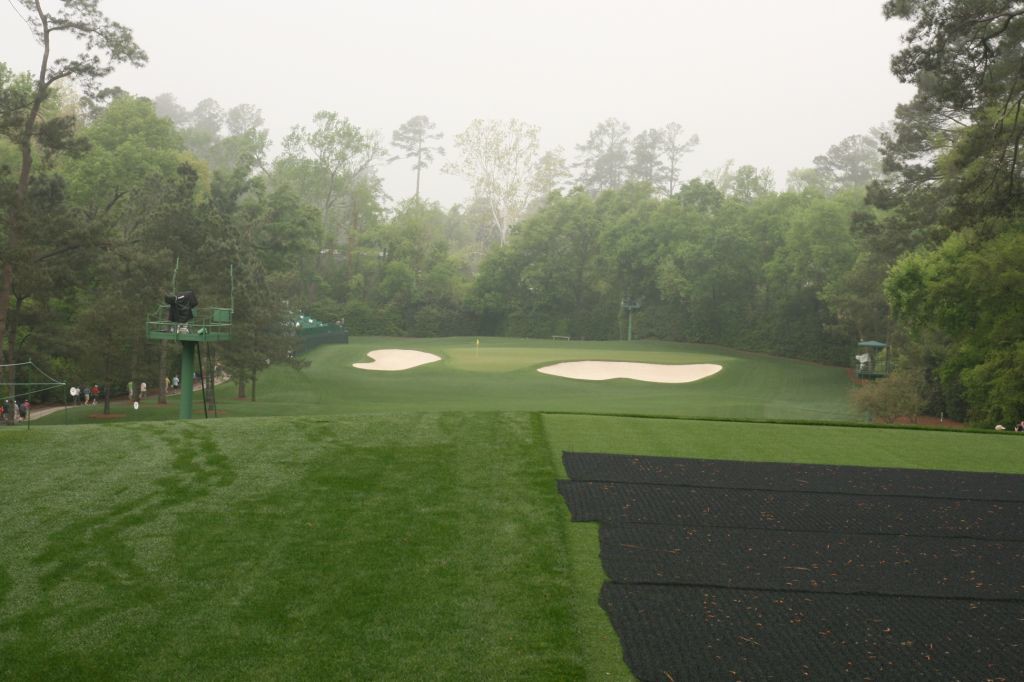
(629, 305)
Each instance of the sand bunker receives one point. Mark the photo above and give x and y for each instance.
(393, 360)
(593, 370)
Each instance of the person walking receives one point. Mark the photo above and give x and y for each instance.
(142, 390)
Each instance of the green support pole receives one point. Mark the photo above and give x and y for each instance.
(629, 334)
(188, 351)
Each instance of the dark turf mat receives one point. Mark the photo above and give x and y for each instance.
(620, 503)
(694, 633)
(723, 570)
(793, 477)
(818, 562)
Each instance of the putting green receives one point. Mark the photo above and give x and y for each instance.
(501, 374)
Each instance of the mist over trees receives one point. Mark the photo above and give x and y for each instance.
(909, 232)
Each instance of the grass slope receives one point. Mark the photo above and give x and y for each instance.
(501, 375)
(410, 543)
(388, 547)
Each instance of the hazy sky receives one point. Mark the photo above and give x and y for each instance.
(765, 83)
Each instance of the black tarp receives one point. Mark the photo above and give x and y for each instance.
(181, 306)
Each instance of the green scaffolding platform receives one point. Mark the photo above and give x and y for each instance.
(207, 325)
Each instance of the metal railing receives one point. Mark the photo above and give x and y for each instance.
(207, 324)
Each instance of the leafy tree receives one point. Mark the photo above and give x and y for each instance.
(167, 106)
(604, 158)
(105, 43)
(414, 138)
(744, 183)
(503, 163)
(816, 252)
(853, 163)
(953, 198)
(709, 272)
(550, 277)
(329, 165)
(245, 143)
(959, 140)
(135, 191)
(969, 289)
(205, 123)
(656, 155)
(645, 163)
(673, 149)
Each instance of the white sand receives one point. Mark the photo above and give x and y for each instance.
(593, 370)
(394, 360)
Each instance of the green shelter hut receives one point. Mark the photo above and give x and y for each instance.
(873, 360)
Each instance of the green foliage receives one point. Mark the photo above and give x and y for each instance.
(104, 42)
(414, 138)
(969, 288)
(901, 394)
(853, 163)
(330, 165)
(16, 93)
(604, 157)
(764, 274)
(959, 140)
(503, 162)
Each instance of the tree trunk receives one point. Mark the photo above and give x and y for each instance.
(6, 289)
(12, 338)
(241, 387)
(16, 212)
(419, 165)
(162, 379)
(253, 396)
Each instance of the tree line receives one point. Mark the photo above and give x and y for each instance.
(909, 233)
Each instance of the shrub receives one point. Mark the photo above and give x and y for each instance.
(901, 394)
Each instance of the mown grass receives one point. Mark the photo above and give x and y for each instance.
(500, 375)
(386, 547)
(410, 543)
